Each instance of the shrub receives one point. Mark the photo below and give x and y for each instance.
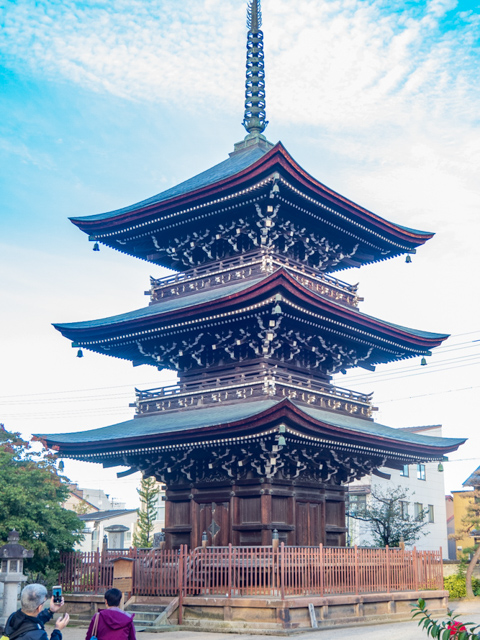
(456, 587)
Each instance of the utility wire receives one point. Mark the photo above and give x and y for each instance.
(424, 395)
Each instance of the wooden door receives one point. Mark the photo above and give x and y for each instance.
(215, 521)
(308, 524)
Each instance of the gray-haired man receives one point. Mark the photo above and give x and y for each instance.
(28, 622)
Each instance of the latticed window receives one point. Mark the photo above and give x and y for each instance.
(405, 472)
(431, 513)
(421, 472)
(404, 509)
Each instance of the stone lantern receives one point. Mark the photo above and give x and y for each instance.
(12, 556)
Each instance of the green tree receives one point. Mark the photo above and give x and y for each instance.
(470, 526)
(387, 519)
(31, 495)
(147, 513)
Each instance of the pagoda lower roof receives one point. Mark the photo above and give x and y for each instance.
(245, 172)
(230, 300)
(243, 420)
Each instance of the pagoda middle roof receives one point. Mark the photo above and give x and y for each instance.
(229, 297)
(245, 417)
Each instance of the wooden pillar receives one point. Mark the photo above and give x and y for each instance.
(266, 515)
(196, 534)
(233, 520)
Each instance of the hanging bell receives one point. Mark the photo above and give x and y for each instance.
(79, 353)
(61, 466)
(281, 441)
(408, 259)
(96, 247)
(440, 467)
(423, 362)
(277, 310)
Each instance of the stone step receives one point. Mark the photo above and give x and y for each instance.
(139, 606)
(145, 616)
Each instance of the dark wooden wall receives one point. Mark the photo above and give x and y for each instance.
(245, 514)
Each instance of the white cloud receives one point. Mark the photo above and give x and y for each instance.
(328, 63)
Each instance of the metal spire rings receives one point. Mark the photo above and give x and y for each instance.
(254, 119)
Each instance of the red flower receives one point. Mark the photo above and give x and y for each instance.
(455, 628)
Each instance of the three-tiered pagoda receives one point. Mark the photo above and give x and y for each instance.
(254, 437)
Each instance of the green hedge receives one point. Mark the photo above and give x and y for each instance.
(455, 585)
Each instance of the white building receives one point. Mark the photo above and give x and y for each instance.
(90, 499)
(159, 523)
(117, 524)
(426, 491)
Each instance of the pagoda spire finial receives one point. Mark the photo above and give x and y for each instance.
(254, 119)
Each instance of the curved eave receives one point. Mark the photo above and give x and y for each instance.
(276, 160)
(280, 282)
(340, 430)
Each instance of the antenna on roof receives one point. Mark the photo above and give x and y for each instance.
(254, 119)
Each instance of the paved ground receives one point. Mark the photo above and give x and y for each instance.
(469, 611)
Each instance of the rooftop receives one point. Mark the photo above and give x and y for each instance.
(224, 420)
(105, 515)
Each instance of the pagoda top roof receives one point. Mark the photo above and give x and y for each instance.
(229, 167)
(222, 299)
(230, 420)
(249, 171)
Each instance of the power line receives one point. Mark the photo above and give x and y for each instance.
(424, 395)
(400, 372)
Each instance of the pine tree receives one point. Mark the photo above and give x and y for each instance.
(147, 513)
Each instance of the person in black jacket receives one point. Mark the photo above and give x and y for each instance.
(28, 622)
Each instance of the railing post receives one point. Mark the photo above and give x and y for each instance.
(387, 565)
(229, 586)
(97, 571)
(415, 568)
(440, 582)
(356, 570)
(322, 571)
(282, 570)
(180, 584)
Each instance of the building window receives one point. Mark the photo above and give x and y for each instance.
(421, 472)
(404, 509)
(431, 513)
(418, 510)
(357, 503)
(405, 471)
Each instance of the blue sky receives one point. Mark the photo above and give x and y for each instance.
(106, 103)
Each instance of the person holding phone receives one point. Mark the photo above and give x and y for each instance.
(28, 622)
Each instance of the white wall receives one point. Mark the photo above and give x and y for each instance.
(430, 491)
(94, 538)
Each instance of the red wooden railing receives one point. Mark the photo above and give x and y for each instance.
(258, 571)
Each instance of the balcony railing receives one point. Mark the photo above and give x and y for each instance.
(246, 267)
(250, 385)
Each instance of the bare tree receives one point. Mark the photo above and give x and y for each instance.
(387, 519)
